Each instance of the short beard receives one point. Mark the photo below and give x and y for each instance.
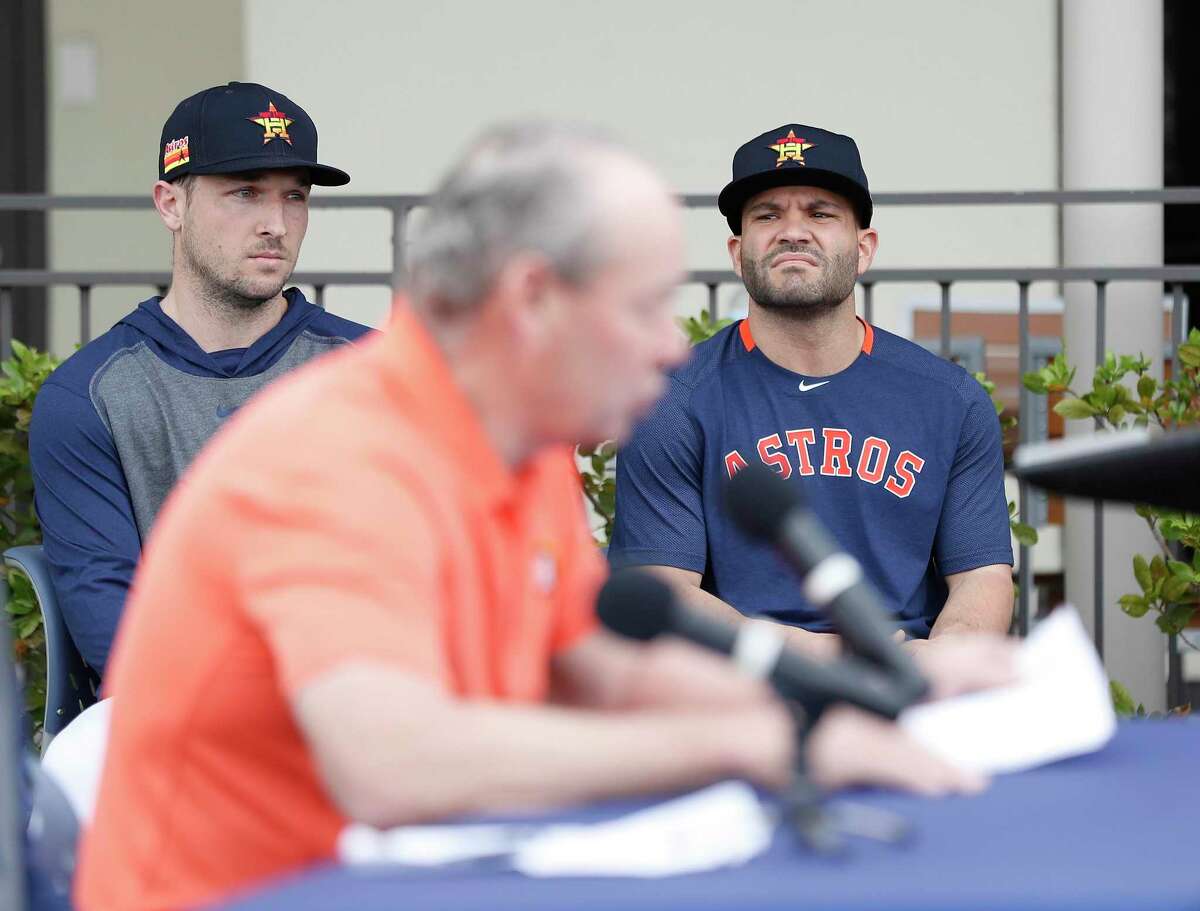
(802, 299)
(233, 295)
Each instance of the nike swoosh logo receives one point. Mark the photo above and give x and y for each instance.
(223, 413)
(805, 387)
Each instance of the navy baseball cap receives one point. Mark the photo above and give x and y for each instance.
(238, 127)
(796, 155)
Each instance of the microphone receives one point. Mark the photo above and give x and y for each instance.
(636, 605)
(771, 510)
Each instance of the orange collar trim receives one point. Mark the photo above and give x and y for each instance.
(867, 344)
(744, 332)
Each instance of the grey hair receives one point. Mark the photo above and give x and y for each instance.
(525, 187)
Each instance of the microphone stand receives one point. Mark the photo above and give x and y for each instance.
(804, 811)
(821, 830)
(803, 802)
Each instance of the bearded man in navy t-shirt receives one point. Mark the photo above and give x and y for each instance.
(897, 450)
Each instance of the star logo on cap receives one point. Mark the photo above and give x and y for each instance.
(790, 148)
(274, 123)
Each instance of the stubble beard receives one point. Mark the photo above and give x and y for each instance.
(792, 295)
(237, 294)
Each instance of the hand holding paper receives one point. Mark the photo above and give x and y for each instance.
(1058, 707)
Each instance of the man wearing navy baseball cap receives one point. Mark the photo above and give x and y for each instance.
(897, 450)
(119, 421)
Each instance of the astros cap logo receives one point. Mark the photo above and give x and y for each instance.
(790, 148)
(175, 153)
(274, 123)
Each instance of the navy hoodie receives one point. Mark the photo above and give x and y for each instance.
(116, 425)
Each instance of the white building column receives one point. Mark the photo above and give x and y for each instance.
(1112, 137)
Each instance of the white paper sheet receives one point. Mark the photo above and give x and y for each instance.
(1059, 706)
(426, 846)
(719, 826)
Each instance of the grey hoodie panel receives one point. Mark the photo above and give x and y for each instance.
(160, 417)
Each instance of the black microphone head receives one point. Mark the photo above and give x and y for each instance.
(634, 604)
(759, 501)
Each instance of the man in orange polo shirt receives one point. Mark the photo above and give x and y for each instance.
(372, 597)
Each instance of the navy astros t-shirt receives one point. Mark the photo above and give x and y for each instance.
(899, 454)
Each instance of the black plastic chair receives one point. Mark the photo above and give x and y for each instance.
(71, 686)
(38, 828)
(14, 800)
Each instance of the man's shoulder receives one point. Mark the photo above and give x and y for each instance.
(691, 384)
(704, 365)
(77, 373)
(915, 363)
(331, 326)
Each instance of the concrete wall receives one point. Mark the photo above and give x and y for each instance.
(932, 90)
(940, 94)
(148, 56)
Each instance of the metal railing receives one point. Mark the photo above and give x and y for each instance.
(401, 207)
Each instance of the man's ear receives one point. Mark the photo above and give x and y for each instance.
(868, 243)
(524, 295)
(170, 201)
(734, 246)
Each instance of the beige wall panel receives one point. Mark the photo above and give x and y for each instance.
(941, 95)
(148, 56)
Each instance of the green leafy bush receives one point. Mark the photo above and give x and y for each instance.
(600, 485)
(1125, 395)
(1025, 534)
(20, 378)
(703, 327)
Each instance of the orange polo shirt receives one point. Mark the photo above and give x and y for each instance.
(353, 511)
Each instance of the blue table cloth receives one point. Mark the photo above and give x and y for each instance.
(1119, 829)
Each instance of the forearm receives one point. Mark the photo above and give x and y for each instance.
(817, 645)
(405, 753)
(494, 757)
(979, 601)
